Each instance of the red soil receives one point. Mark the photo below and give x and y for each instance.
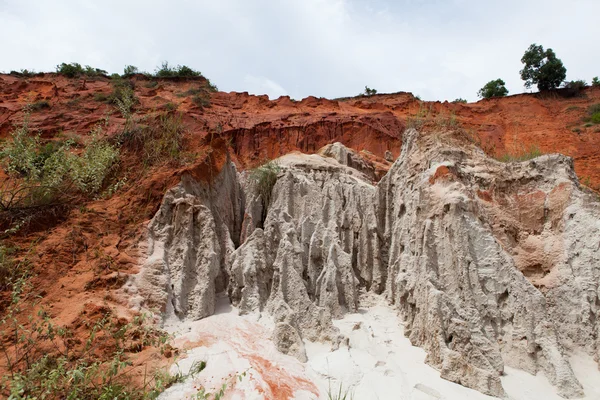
(82, 258)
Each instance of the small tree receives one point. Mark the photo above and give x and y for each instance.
(542, 68)
(130, 70)
(494, 88)
(369, 91)
(595, 81)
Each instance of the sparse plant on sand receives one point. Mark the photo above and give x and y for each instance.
(522, 155)
(341, 394)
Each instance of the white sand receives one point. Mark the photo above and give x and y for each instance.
(380, 363)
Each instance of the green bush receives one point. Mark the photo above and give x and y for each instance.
(495, 88)
(542, 68)
(74, 70)
(593, 114)
(123, 97)
(43, 360)
(44, 178)
(40, 105)
(574, 88)
(159, 141)
(595, 81)
(90, 170)
(26, 73)
(265, 177)
(8, 270)
(460, 100)
(130, 70)
(369, 92)
(181, 71)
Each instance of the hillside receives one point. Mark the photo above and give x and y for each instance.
(379, 201)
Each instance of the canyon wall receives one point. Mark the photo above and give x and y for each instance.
(489, 264)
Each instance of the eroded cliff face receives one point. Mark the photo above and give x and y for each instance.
(489, 264)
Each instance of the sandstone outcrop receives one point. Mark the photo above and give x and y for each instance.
(490, 264)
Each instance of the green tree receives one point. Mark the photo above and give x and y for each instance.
(495, 88)
(595, 81)
(370, 92)
(130, 70)
(542, 68)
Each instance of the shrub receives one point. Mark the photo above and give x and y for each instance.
(90, 170)
(493, 88)
(595, 81)
(369, 92)
(130, 70)
(8, 269)
(182, 71)
(101, 97)
(265, 177)
(542, 68)
(594, 114)
(43, 179)
(74, 70)
(574, 88)
(159, 141)
(24, 73)
(123, 97)
(43, 360)
(460, 100)
(40, 105)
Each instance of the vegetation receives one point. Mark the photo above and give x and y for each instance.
(8, 268)
(369, 92)
(180, 71)
(265, 177)
(159, 141)
(594, 114)
(340, 395)
(43, 177)
(24, 73)
(574, 88)
(130, 70)
(201, 95)
(595, 81)
(542, 68)
(74, 70)
(522, 155)
(460, 100)
(39, 105)
(43, 360)
(495, 88)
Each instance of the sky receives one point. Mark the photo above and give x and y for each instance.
(436, 49)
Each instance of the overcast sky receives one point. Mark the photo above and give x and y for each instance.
(437, 49)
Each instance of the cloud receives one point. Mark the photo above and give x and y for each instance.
(331, 48)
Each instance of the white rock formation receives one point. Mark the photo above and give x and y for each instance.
(489, 264)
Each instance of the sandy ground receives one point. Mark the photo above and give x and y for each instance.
(379, 363)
